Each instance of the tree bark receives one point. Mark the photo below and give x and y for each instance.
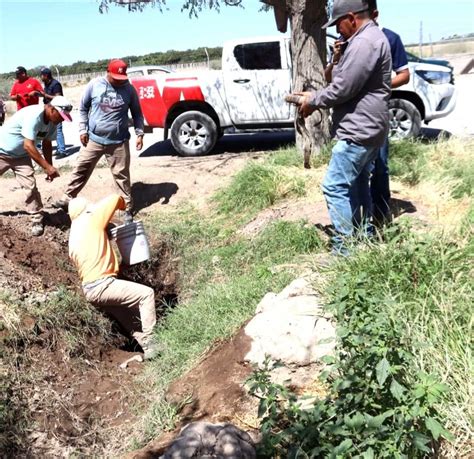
(308, 48)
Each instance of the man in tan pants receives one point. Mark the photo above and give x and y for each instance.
(18, 140)
(103, 129)
(131, 304)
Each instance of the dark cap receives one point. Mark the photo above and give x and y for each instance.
(46, 71)
(343, 7)
(19, 70)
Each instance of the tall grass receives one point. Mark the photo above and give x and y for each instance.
(426, 282)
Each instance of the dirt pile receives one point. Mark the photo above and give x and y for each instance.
(63, 390)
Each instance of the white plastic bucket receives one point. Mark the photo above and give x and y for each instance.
(131, 242)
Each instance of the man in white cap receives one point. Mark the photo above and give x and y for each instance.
(103, 129)
(358, 94)
(131, 304)
(18, 139)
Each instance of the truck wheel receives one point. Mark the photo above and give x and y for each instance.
(193, 133)
(405, 119)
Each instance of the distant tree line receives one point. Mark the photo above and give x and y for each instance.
(160, 58)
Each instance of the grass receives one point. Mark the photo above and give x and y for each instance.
(223, 278)
(426, 284)
(62, 322)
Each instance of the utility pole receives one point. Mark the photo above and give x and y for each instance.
(420, 46)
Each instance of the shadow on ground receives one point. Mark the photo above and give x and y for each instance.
(232, 143)
(147, 194)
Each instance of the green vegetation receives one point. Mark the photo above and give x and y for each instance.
(159, 58)
(403, 366)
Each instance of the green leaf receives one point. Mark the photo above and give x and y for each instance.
(369, 454)
(420, 441)
(437, 430)
(397, 390)
(382, 371)
(328, 359)
(355, 422)
(345, 446)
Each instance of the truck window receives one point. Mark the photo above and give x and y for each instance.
(259, 56)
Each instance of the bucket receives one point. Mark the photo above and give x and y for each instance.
(132, 242)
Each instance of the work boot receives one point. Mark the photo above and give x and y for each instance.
(37, 229)
(61, 203)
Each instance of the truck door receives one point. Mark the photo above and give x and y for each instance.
(257, 76)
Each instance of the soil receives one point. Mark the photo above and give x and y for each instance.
(212, 391)
(69, 398)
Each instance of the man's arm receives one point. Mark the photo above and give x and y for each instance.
(399, 63)
(57, 90)
(137, 117)
(105, 209)
(14, 95)
(30, 148)
(84, 108)
(401, 78)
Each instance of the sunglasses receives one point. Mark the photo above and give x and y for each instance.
(64, 108)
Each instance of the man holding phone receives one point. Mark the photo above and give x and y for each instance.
(358, 94)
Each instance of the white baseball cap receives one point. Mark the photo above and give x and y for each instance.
(63, 106)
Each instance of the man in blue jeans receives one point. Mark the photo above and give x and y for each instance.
(359, 94)
(380, 182)
(53, 88)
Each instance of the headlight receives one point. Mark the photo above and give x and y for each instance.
(434, 76)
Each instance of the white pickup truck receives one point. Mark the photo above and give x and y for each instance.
(248, 94)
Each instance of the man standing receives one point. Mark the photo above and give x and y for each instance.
(53, 88)
(26, 90)
(95, 259)
(18, 139)
(380, 181)
(103, 130)
(359, 94)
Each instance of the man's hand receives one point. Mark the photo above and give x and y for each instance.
(305, 109)
(337, 51)
(51, 173)
(84, 139)
(33, 94)
(139, 143)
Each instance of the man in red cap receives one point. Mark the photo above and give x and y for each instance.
(26, 90)
(103, 130)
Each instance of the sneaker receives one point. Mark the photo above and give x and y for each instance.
(61, 203)
(151, 350)
(37, 229)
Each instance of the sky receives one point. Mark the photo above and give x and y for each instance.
(47, 32)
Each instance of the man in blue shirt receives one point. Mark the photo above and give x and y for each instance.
(53, 88)
(18, 139)
(380, 182)
(103, 130)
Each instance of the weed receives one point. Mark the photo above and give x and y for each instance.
(258, 186)
(407, 160)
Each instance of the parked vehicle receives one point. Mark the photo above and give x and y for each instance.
(195, 109)
(145, 70)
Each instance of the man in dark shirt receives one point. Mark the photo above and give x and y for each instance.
(380, 182)
(54, 88)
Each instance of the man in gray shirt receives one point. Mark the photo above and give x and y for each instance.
(359, 94)
(103, 129)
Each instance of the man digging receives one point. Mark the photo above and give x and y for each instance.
(92, 252)
(18, 139)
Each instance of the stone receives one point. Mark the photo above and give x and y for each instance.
(291, 327)
(206, 440)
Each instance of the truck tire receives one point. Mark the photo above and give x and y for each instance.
(193, 133)
(405, 119)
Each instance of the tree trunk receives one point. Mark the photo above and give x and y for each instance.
(308, 48)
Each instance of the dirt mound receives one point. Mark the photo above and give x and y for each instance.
(212, 391)
(64, 388)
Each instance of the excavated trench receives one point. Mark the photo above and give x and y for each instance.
(60, 392)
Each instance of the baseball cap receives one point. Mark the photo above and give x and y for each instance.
(343, 7)
(20, 70)
(118, 69)
(63, 106)
(46, 71)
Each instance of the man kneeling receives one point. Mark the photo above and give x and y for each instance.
(92, 253)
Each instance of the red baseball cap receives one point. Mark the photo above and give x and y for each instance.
(118, 69)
